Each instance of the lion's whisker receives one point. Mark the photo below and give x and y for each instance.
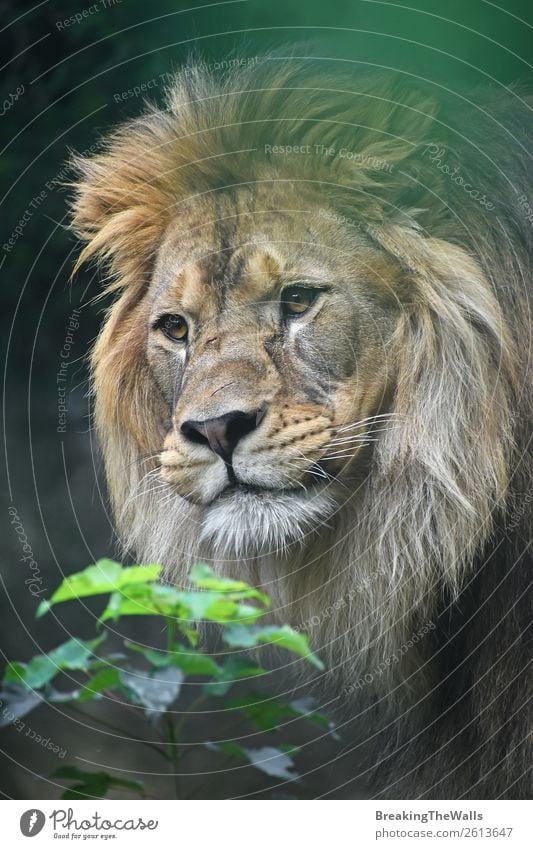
(379, 418)
(340, 456)
(144, 458)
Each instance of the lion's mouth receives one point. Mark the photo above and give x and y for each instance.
(239, 490)
(247, 520)
(255, 496)
(243, 489)
(315, 478)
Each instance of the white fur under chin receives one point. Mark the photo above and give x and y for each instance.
(246, 523)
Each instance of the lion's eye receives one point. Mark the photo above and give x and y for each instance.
(174, 327)
(295, 300)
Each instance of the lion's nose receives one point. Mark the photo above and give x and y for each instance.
(223, 433)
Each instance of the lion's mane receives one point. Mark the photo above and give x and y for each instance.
(438, 537)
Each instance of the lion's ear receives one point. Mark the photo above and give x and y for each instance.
(455, 379)
(121, 199)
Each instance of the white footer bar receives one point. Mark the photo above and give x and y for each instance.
(276, 824)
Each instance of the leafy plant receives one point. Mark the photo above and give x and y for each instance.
(150, 680)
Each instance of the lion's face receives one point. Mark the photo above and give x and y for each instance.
(297, 344)
(269, 347)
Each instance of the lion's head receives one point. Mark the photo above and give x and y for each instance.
(267, 350)
(308, 370)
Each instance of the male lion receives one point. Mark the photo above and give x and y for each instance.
(316, 374)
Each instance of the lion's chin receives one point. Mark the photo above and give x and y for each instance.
(246, 521)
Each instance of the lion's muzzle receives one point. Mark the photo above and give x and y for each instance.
(223, 433)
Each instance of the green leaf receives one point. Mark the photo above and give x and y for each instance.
(203, 577)
(202, 605)
(289, 749)
(52, 695)
(106, 679)
(240, 636)
(100, 662)
(304, 707)
(14, 672)
(211, 606)
(143, 600)
(268, 713)
(264, 713)
(34, 674)
(154, 691)
(16, 701)
(74, 654)
(191, 633)
(229, 748)
(273, 762)
(93, 784)
(104, 577)
(244, 613)
(155, 657)
(190, 662)
(194, 663)
(233, 669)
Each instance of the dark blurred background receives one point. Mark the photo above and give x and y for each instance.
(64, 82)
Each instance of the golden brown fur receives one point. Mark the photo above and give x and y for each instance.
(385, 457)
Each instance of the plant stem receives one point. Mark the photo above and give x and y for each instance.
(173, 753)
(171, 630)
(193, 705)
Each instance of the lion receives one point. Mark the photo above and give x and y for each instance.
(315, 373)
